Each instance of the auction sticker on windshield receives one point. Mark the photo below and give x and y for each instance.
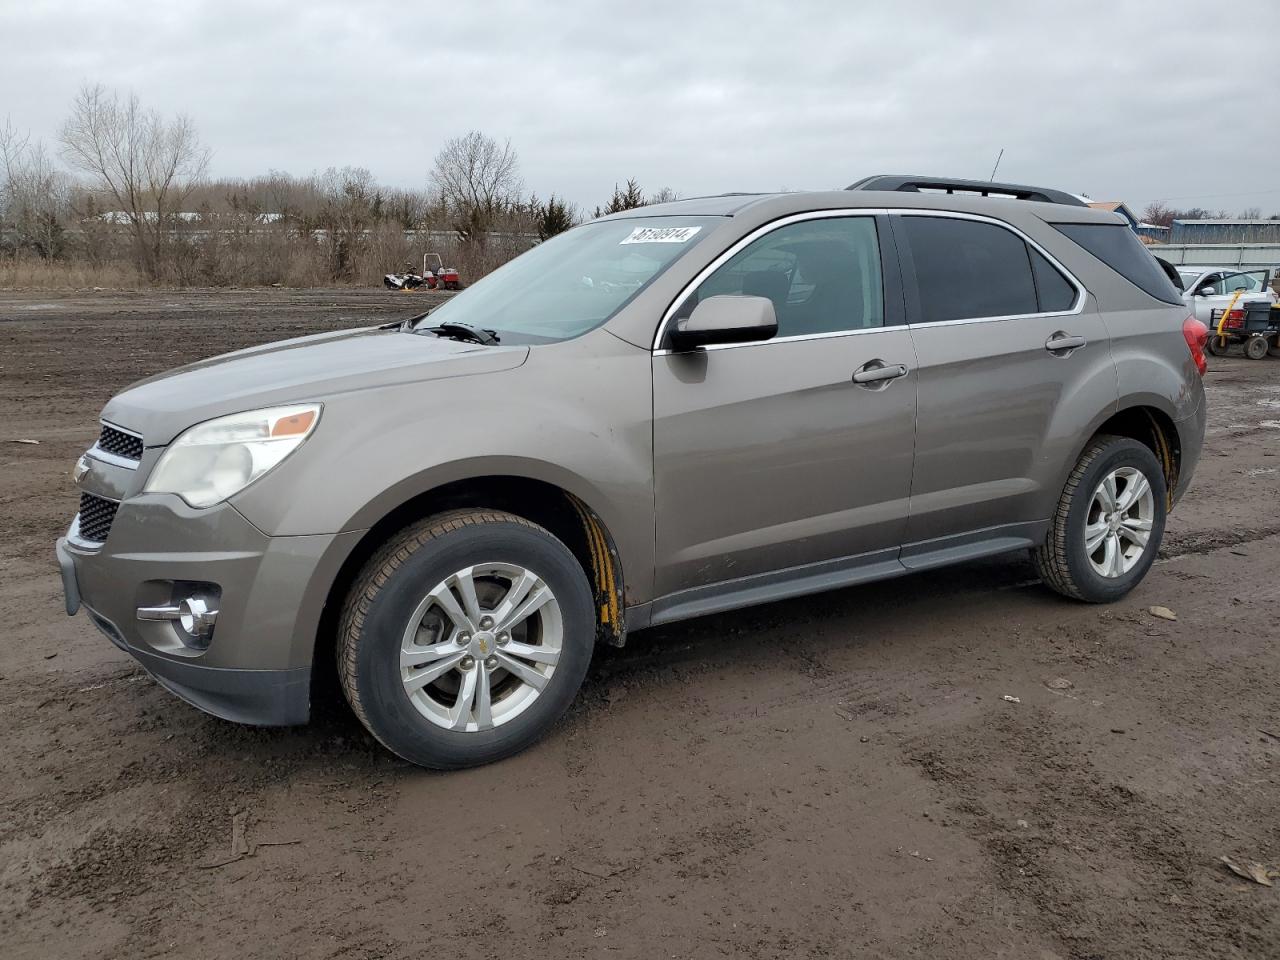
(661, 234)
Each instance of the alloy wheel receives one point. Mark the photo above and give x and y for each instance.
(1118, 527)
(481, 646)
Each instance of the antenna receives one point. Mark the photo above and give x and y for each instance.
(997, 166)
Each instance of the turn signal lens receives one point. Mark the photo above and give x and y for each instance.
(294, 425)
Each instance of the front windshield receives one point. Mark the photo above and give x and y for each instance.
(573, 282)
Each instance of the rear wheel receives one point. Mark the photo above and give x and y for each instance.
(1108, 525)
(1255, 348)
(465, 638)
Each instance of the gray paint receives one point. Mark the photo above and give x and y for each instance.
(726, 476)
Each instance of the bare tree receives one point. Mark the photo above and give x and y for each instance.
(352, 204)
(145, 164)
(34, 194)
(477, 178)
(1159, 213)
(665, 195)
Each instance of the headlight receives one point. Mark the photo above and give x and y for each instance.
(217, 459)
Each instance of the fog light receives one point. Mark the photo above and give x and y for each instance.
(195, 615)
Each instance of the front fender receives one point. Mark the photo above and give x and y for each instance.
(576, 415)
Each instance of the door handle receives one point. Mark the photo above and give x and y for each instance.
(875, 371)
(1062, 342)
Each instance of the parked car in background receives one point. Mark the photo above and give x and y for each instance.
(1208, 291)
(669, 412)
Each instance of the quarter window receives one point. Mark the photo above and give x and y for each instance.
(823, 276)
(1053, 291)
(967, 269)
(1120, 249)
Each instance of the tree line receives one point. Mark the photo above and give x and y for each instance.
(1163, 215)
(132, 198)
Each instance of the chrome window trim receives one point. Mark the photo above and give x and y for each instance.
(765, 229)
(105, 456)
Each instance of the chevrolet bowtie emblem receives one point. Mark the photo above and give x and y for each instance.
(80, 469)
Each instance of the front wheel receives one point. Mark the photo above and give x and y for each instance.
(1107, 528)
(465, 638)
(1218, 346)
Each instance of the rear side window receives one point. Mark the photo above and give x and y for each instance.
(1053, 290)
(967, 269)
(1120, 249)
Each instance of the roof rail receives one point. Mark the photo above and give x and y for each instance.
(985, 188)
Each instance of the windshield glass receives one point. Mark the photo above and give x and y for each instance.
(573, 282)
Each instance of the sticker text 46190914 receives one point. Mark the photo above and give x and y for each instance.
(661, 234)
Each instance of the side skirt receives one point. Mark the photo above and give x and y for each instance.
(834, 574)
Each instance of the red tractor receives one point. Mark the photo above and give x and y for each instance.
(446, 277)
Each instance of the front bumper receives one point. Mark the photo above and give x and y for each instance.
(257, 667)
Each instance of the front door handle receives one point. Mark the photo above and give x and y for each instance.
(1064, 342)
(876, 371)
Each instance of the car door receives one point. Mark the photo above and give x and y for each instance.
(1208, 298)
(775, 456)
(1006, 344)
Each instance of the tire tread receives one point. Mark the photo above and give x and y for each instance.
(1050, 558)
(379, 569)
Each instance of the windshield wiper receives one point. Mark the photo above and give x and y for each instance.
(465, 331)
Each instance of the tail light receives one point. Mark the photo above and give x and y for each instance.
(1197, 335)
(1234, 320)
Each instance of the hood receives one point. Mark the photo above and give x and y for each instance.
(311, 368)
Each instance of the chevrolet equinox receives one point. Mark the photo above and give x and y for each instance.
(671, 411)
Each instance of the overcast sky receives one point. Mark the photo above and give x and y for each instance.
(1120, 100)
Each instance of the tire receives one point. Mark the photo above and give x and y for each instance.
(1064, 561)
(417, 578)
(1218, 346)
(1274, 350)
(1255, 348)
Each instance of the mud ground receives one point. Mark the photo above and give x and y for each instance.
(837, 776)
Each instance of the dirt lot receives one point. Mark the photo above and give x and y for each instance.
(835, 776)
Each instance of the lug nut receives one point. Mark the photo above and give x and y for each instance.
(486, 623)
(504, 639)
(492, 663)
(463, 639)
(466, 663)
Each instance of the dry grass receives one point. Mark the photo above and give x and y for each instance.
(21, 273)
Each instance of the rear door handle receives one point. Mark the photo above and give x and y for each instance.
(1061, 342)
(875, 371)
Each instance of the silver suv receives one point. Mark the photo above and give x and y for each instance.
(669, 412)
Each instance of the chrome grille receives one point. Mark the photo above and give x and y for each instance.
(121, 444)
(96, 515)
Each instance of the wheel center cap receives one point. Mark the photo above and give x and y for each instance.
(1114, 522)
(482, 644)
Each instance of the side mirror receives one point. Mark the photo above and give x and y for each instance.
(726, 319)
(1205, 292)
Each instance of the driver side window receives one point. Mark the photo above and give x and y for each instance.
(823, 276)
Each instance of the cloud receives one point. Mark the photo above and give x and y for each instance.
(1120, 101)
